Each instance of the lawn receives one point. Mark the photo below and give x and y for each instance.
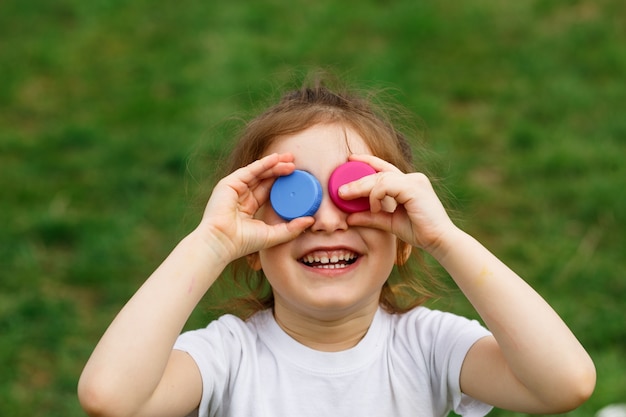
(113, 115)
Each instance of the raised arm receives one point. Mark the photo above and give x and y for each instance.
(533, 363)
(133, 370)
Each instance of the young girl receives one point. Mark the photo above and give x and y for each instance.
(339, 334)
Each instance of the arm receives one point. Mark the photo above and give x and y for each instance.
(133, 370)
(533, 363)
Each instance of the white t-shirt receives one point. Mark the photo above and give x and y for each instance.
(406, 365)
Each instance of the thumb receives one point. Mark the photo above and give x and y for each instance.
(381, 220)
(284, 232)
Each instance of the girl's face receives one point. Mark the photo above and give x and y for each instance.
(332, 269)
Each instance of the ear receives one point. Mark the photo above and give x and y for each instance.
(403, 253)
(254, 261)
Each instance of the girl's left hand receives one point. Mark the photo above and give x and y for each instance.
(419, 218)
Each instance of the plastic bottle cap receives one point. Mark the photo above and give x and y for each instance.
(298, 194)
(345, 173)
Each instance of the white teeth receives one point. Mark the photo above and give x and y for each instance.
(332, 266)
(329, 260)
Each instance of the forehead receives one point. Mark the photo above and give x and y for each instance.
(320, 144)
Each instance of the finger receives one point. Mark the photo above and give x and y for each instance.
(286, 231)
(272, 165)
(381, 220)
(373, 187)
(402, 188)
(268, 167)
(388, 204)
(397, 223)
(384, 187)
(380, 165)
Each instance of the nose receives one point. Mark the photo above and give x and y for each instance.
(329, 218)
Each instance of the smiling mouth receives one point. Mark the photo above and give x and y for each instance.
(329, 260)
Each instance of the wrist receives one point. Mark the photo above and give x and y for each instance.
(446, 242)
(210, 245)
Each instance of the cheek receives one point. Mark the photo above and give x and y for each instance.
(274, 260)
(387, 244)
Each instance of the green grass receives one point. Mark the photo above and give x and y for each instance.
(110, 121)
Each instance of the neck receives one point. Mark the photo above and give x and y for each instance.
(328, 334)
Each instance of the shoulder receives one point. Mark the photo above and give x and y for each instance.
(424, 319)
(437, 343)
(433, 331)
(225, 347)
(226, 334)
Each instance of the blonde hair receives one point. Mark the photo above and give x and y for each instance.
(297, 110)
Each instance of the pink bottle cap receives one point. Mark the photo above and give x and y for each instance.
(345, 173)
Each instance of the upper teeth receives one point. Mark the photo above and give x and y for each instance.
(328, 258)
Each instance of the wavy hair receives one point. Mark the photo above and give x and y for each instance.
(412, 282)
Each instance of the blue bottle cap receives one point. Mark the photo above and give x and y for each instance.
(298, 194)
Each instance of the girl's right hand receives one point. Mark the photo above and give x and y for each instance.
(228, 225)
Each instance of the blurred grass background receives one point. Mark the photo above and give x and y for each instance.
(108, 115)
